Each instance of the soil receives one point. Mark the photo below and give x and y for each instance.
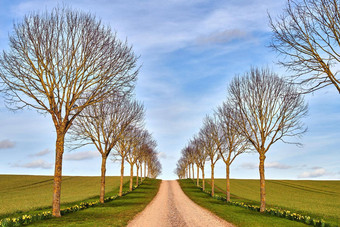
(171, 207)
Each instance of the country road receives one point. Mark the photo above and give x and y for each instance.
(171, 207)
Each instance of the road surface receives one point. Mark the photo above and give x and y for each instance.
(171, 207)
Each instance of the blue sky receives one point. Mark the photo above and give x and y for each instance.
(190, 50)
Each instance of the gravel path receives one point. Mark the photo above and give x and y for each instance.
(171, 207)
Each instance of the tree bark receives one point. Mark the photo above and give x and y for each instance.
(102, 181)
(212, 180)
(203, 182)
(228, 182)
(58, 173)
(193, 171)
(198, 175)
(262, 183)
(189, 171)
(131, 176)
(144, 169)
(121, 177)
(141, 172)
(137, 173)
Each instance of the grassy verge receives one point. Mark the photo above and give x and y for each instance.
(236, 215)
(318, 199)
(115, 213)
(21, 194)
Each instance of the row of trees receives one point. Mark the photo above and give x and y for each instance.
(261, 109)
(68, 65)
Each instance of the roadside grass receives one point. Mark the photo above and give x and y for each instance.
(238, 216)
(318, 199)
(115, 213)
(31, 194)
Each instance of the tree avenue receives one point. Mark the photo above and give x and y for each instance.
(261, 109)
(103, 124)
(59, 63)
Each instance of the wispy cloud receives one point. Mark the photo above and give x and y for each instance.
(35, 164)
(273, 165)
(42, 153)
(317, 172)
(5, 144)
(223, 37)
(82, 155)
(277, 165)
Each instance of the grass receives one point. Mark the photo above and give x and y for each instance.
(115, 213)
(318, 199)
(236, 215)
(21, 194)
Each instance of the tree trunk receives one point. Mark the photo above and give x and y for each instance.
(198, 175)
(144, 169)
(203, 182)
(189, 171)
(212, 180)
(131, 176)
(193, 171)
(137, 173)
(141, 172)
(121, 177)
(102, 182)
(262, 183)
(58, 173)
(228, 182)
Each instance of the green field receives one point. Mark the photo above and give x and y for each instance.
(239, 216)
(115, 213)
(20, 193)
(319, 199)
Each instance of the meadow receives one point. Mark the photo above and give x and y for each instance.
(318, 199)
(22, 193)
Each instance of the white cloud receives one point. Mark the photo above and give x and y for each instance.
(249, 165)
(274, 165)
(222, 37)
(35, 164)
(317, 172)
(42, 153)
(82, 155)
(4, 144)
(277, 165)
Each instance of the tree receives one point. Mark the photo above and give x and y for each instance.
(232, 143)
(211, 136)
(201, 155)
(59, 63)
(267, 109)
(137, 140)
(123, 147)
(307, 35)
(103, 124)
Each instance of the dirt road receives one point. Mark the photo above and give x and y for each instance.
(171, 207)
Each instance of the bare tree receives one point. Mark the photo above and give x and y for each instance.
(146, 143)
(59, 59)
(268, 109)
(123, 147)
(103, 124)
(211, 136)
(137, 140)
(232, 143)
(201, 155)
(307, 34)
